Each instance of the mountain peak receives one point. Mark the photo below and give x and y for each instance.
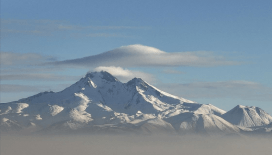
(136, 82)
(247, 116)
(240, 107)
(101, 75)
(245, 107)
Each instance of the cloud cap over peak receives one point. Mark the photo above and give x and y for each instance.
(140, 56)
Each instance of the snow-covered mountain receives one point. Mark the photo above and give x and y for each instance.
(245, 116)
(99, 102)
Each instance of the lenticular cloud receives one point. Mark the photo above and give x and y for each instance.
(140, 56)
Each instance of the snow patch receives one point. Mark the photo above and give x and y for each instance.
(92, 84)
(4, 119)
(20, 107)
(38, 117)
(55, 109)
(78, 113)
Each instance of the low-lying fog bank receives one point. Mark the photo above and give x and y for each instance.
(133, 145)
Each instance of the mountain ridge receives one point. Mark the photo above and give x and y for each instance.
(99, 101)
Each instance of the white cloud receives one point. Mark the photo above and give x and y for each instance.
(125, 75)
(142, 56)
(226, 89)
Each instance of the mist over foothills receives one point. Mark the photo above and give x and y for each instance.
(134, 144)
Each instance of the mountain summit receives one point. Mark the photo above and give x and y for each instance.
(247, 116)
(99, 102)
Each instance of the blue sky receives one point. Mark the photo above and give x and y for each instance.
(216, 52)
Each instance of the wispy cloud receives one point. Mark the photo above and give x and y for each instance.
(172, 71)
(12, 58)
(50, 27)
(125, 75)
(12, 88)
(38, 76)
(61, 25)
(105, 35)
(143, 56)
(28, 66)
(225, 89)
(35, 32)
